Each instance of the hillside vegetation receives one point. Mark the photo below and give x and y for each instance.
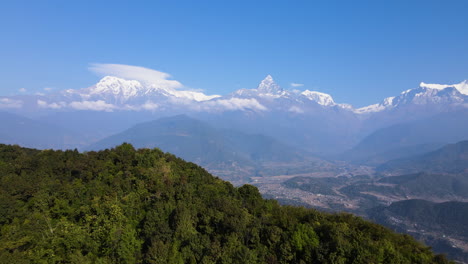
(145, 206)
(231, 155)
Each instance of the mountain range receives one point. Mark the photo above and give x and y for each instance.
(123, 205)
(451, 158)
(228, 153)
(307, 119)
(27, 132)
(298, 146)
(428, 221)
(410, 138)
(113, 93)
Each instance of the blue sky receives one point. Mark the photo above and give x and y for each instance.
(358, 51)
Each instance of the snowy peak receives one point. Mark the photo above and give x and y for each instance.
(268, 86)
(125, 90)
(112, 93)
(318, 97)
(425, 94)
(387, 103)
(267, 89)
(461, 87)
(117, 86)
(442, 95)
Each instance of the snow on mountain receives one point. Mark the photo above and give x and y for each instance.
(318, 97)
(385, 104)
(113, 93)
(121, 90)
(267, 88)
(461, 87)
(425, 94)
(118, 87)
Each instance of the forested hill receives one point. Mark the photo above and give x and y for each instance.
(145, 206)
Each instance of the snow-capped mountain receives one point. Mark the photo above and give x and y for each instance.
(267, 88)
(120, 90)
(319, 98)
(425, 95)
(114, 88)
(112, 93)
(461, 87)
(270, 93)
(308, 119)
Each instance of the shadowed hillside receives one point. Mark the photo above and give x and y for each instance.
(428, 221)
(233, 155)
(451, 158)
(144, 206)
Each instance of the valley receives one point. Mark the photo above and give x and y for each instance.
(223, 132)
(300, 148)
(373, 196)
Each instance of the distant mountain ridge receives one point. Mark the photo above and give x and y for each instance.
(16, 129)
(113, 93)
(225, 152)
(435, 223)
(308, 119)
(410, 138)
(425, 94)
(451, 158)
(117, 94)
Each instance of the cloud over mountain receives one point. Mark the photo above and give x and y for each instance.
(129, 72)
(10, 103)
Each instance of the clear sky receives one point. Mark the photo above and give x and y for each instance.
(357, 51)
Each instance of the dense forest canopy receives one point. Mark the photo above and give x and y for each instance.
(145, 206)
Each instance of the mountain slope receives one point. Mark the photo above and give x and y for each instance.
(448, 217)
(306, 119)
(411, 138)
(428, 186)
(451, 158)
(228, 153)
(441, 225)
(143, 206)
(426, 95)
(20, 130)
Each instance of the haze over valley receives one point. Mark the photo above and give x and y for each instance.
(300, 147)
(234, 132)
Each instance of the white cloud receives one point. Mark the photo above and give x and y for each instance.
(48, 89)
(10, 103)
(297, 84)
(195, 96)
(296, 91)
(44, 104)
(129, 72)
(233, 104)
(149, 106)
(296, 109)
(92, 105)
(22, 90)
